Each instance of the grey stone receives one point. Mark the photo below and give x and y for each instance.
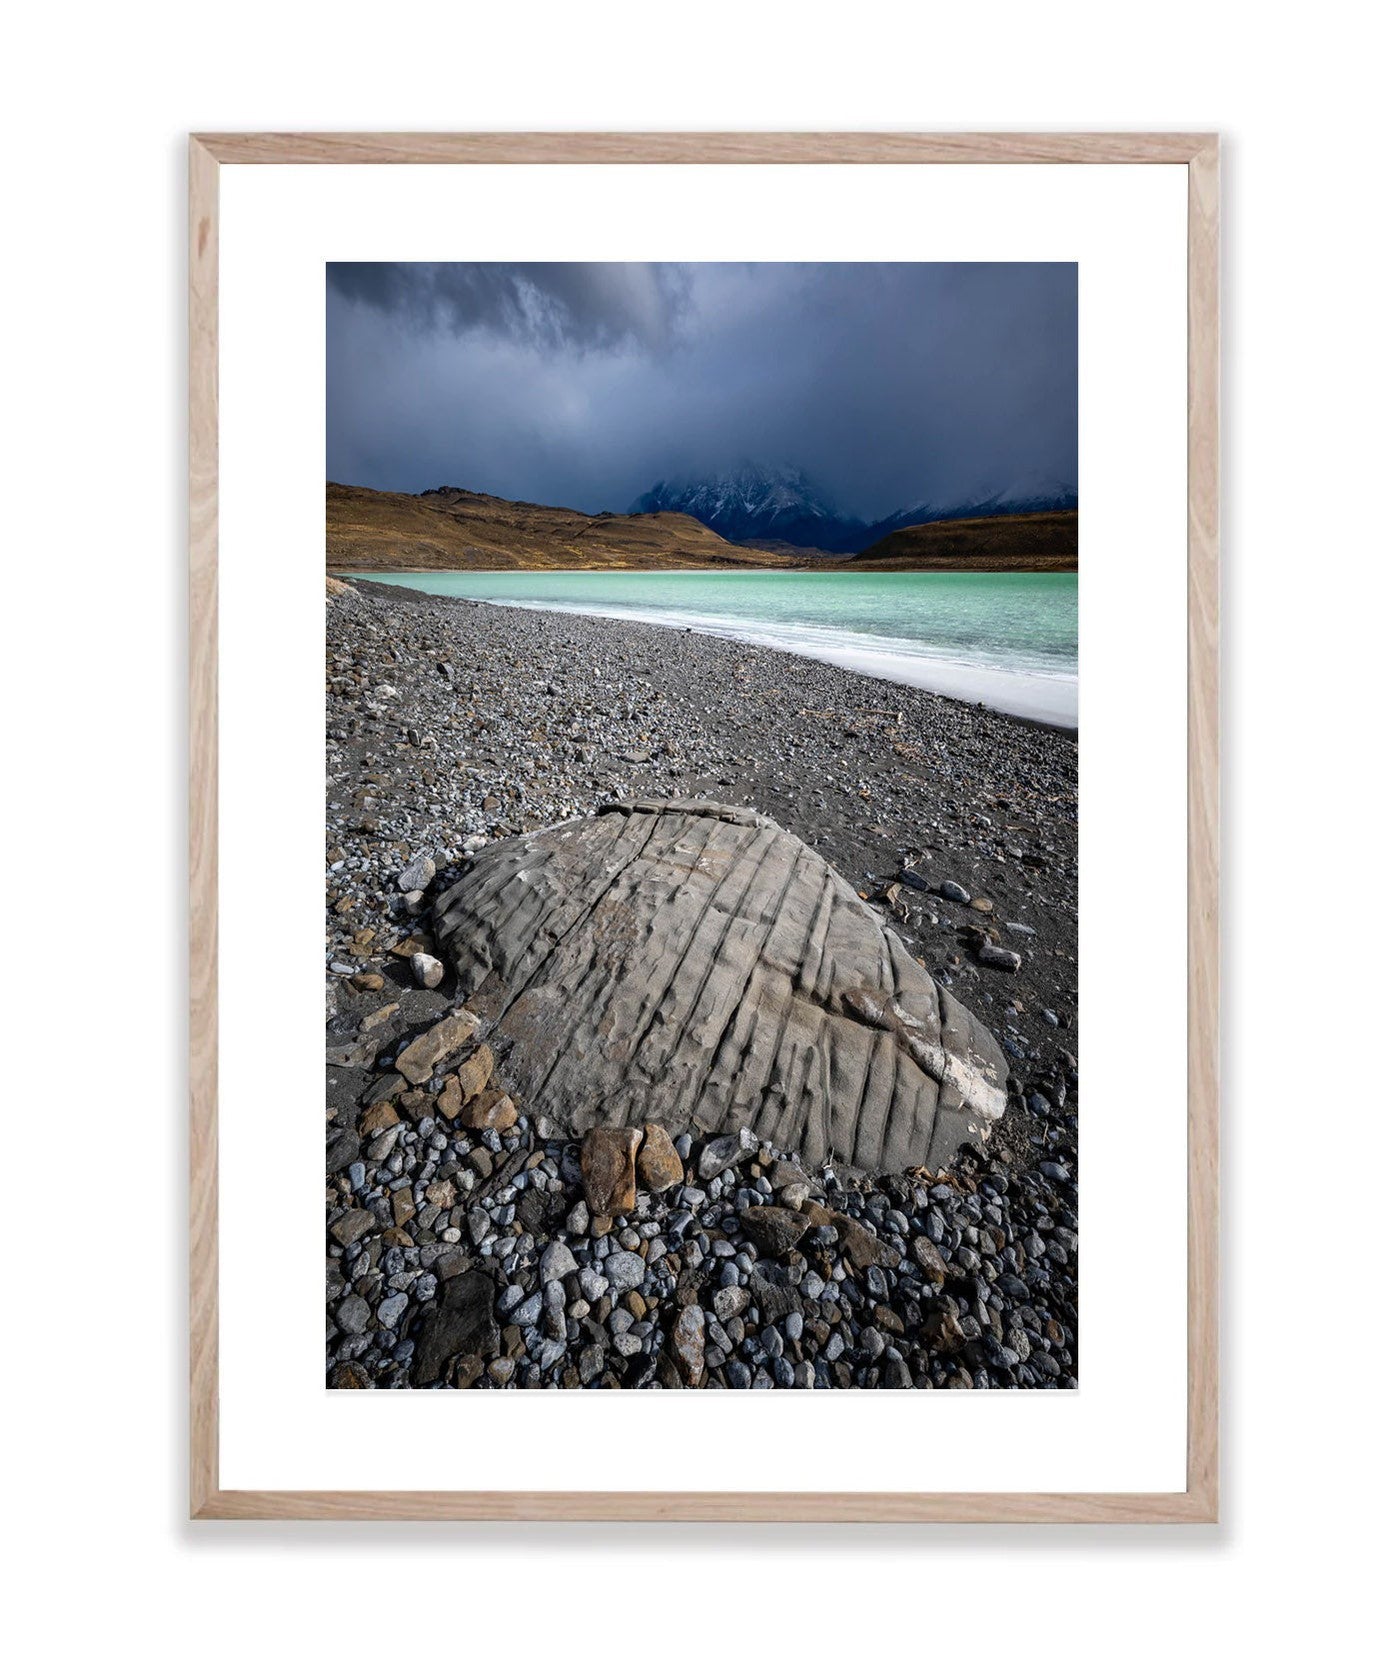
(556, 1261)
(418, 876)
(730, 1303)
(997, 956)
(723, 1152)
(392, 1308)
(899, 1074)
(687, 1345)
(624, 1270)
(352, 1315)
(526, 1314)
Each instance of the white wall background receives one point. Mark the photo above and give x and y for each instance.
(108, 1571)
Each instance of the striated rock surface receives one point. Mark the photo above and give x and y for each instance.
(695, 966)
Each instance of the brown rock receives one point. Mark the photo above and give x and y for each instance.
(349, 1227)
(929, 1261)
(349, 1375)
(860, 1245)
(369, 981)
(687, 1345)
(658, 1166)
(449, 1034)
(451, 1101)
(773, 1230)
(492, 1109)
(378, 1118)
(609, 1169)
(402, 1205)
(474, 1074)
(469, 1371)
(942, 1333)
(983, 904)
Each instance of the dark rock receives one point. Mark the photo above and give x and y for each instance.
(342, 1147)
(349, 1227)
(462, 1325)
(997, 956)
(860, 1245)
(773, 1230)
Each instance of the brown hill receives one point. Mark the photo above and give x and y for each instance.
(1003, 542)
(459, 530)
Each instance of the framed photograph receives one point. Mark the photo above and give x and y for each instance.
(704, 855)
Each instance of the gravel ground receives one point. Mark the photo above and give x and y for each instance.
(460, 1249)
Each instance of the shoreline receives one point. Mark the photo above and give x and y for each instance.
(1043, 697)
(451, 722)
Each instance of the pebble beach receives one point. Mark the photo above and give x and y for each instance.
(466, 1250)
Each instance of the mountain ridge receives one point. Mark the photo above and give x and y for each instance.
(780, 504)
(450, 529)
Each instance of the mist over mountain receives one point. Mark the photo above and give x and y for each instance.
(893, 387)
(761, 503)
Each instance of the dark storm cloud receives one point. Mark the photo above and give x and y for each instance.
(581, 384)
(549, 305)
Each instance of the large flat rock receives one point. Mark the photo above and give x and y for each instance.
(697, 967)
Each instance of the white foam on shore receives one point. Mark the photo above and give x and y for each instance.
(1045, 694)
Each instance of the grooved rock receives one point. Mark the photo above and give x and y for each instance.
(696, 967)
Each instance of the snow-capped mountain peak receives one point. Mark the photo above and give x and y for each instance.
(754, 502)
(759, 503)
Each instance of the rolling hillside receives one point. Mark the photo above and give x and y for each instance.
(459, 530)
(1003, 542)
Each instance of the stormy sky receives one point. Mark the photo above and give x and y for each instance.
(581, 384)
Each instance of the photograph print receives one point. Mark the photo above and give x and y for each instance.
(701, 825)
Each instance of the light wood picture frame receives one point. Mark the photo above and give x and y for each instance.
(1199, 154)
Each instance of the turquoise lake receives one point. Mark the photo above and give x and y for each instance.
(1007, 640)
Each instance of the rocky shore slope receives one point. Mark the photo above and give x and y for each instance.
(465, 1250)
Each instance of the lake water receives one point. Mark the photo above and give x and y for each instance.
(1006, 639)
